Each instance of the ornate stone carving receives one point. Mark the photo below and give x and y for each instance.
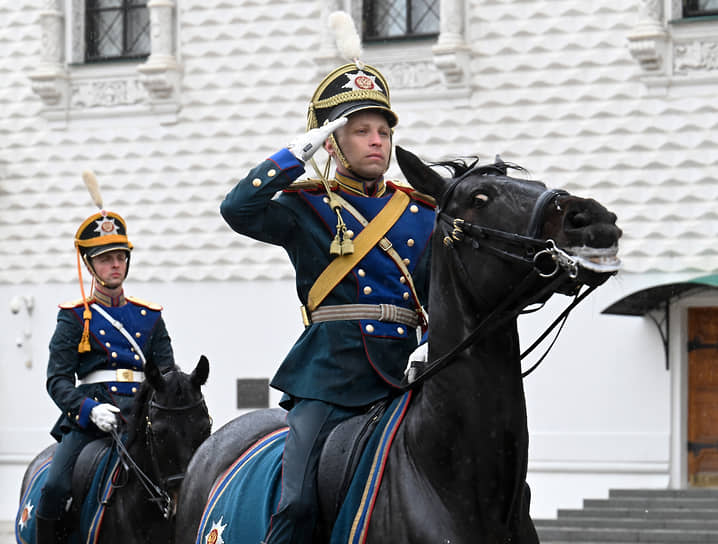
(412, 75)
(695, 56)
(107, 93)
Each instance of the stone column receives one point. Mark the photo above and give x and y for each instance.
(451, 53)
(161, 71)
(49, 79)
(648, 39)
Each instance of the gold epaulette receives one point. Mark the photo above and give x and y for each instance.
(140, 302)
(72, 304)
(413, 193)
(309, 184)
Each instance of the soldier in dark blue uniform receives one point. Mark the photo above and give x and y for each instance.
(360, 248)
(103, 341)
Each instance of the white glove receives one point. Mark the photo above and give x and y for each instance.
(305, 145)
(419, 355)
(103, 415)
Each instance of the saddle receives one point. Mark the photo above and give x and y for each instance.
(85, 468)
(340, 456)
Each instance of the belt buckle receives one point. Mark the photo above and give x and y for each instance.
(125, 375)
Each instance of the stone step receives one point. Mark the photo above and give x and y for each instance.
(660, 503)
(629, 523)
(694, 492)
(640, 513)
(607, 535)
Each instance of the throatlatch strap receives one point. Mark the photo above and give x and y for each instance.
(363, 244)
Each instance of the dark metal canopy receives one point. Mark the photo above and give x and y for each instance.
(656, 297)
(654, 301)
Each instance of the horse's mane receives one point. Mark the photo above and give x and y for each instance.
(463, 165)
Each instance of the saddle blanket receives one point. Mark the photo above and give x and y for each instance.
(244, 498)
(92, 509)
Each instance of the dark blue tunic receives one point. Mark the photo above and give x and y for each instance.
(347, 363)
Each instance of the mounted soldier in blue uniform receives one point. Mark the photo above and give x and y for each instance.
(97, 355)
(359, 245)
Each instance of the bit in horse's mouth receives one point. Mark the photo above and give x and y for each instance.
(600, 260)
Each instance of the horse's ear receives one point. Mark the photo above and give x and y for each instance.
(200, 372)
(419, 175)
(154, 376)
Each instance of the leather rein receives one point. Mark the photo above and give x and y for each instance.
(544, 257)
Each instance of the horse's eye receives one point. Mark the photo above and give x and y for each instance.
(480, 199)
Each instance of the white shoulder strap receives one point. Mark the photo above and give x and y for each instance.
(120, 327)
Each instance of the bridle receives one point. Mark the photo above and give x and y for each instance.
(157, 491)
(543, 257)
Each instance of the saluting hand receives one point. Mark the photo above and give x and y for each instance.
(305, 145)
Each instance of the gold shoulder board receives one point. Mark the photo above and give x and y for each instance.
(71, 304)
(140, 302)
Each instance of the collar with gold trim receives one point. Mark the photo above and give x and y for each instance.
(358, 187)
(107, 300)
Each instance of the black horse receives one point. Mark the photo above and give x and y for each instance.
(168, 423)
(456, 472)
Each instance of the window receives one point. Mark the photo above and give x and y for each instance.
(392, 19)
(700, 8)
(116, 29)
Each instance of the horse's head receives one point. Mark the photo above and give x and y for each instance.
(173, 418)
(504, 229)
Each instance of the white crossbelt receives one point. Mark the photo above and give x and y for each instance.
(119, 375)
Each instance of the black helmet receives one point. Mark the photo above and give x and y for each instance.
(348, 89)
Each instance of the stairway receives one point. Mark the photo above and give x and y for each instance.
(649, 516)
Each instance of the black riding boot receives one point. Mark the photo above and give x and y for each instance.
(49, 531)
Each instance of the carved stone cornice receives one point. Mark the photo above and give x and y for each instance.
(160, 74)
(49, 78)
(451, 53)
(648, 40)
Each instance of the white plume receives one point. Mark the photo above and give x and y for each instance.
(346, 35)
(88, 176)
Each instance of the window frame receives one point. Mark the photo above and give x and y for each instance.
(692, 11)
(368, 8)
(125, 7)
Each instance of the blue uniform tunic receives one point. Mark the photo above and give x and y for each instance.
(109, 351)
(347, 363)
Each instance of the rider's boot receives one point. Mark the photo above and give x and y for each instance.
(49, 531)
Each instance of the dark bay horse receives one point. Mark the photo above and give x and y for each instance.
(456, 472)
(169, 421)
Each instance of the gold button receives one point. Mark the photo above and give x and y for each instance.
(326, 200)
(134, 390)
(367, 290)
(138, 334)
(137, 357)
(370, 328)
(407, 261)
(143, 312)
(102, 332)
(271, 173)
(113, 389)
(361, 272)
(414, 208)
(114, 355)
(77, 417)
(406, 295)
(400, 330)
(410, 242)
(256, 182)
(349, 233)
(69, 414)
(107, 344)
(402, 279)
(114, 364)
